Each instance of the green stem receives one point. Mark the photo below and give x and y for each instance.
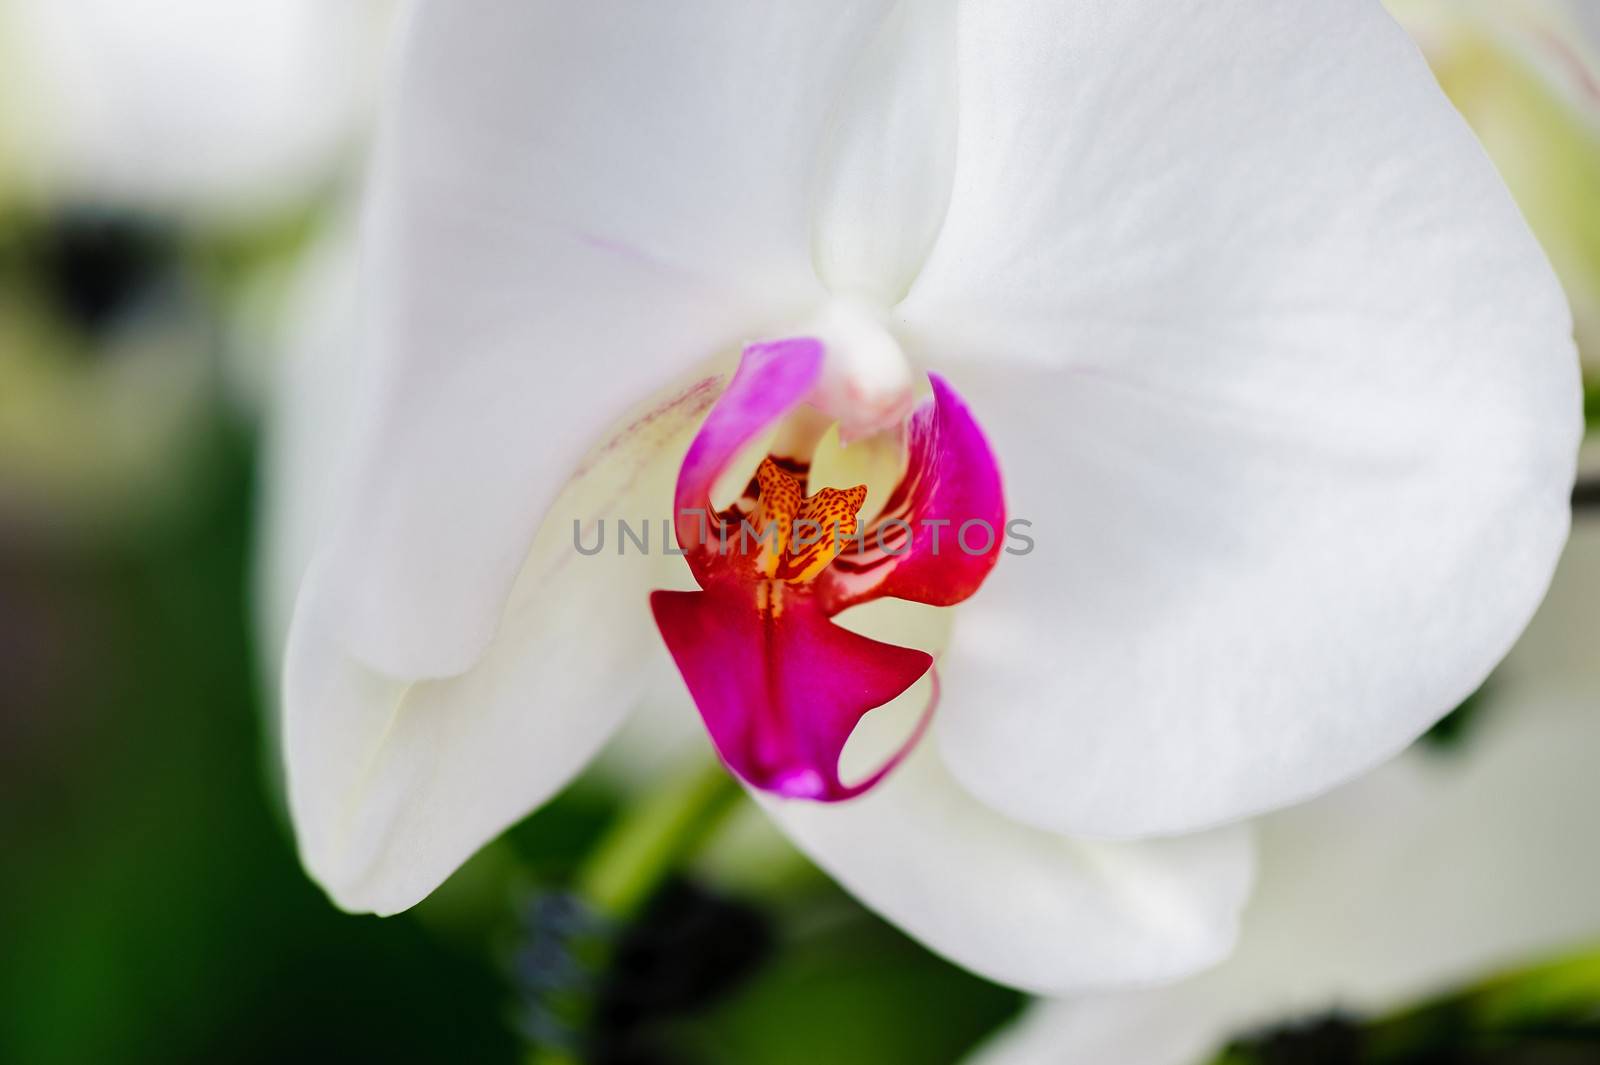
(650, 841)
(654, 838)
(547, 1056)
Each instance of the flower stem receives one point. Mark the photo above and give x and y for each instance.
(649, 842)
(550, 1056)
(652, 840)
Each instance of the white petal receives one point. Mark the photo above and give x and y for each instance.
(1275, 369)
(393, 782)
(317, 379)
(661, 739)
(1433, 871)
(883, 181)
(1016, 904)
(190, 103)
(574, 205)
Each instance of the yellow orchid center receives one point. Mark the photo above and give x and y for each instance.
(801, 534)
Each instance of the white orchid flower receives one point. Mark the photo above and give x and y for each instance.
(224, 109)
(1438, 868)
(1225, 295)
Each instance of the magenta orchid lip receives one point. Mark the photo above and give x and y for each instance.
(779, 685)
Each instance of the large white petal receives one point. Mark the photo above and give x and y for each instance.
(190, 103)
(883, 180)
(393, 781)
(1020, 905)
(392, 784)
(1273, 365)
(573, 204)
(1434, 870)
(316, 384)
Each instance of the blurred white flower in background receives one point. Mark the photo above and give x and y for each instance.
(191, 107)
(1451, 863)
(160, 164)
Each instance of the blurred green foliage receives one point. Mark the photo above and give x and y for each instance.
(152, 906)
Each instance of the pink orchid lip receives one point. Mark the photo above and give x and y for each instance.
(779, 685)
